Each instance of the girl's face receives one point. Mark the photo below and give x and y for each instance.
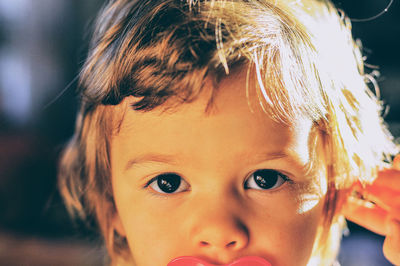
(218, 185)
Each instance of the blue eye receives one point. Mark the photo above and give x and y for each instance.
(265, 179)
(168, 184)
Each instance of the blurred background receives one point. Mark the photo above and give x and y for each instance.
(43, 43)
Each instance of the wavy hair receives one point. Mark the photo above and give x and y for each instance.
(301, 52)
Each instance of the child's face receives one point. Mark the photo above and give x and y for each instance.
(218, 185)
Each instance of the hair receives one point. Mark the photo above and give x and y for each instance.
(301, 53)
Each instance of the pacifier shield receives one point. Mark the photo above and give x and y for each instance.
(193, 261)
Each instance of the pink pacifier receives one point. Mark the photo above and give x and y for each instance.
(193, 261)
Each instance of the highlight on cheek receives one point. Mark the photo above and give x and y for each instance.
(308, 202)
(312, 193)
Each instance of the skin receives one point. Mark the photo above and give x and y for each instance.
(379, 210)
(216, 216)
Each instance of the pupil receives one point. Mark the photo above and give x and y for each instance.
(266, 178)
(169, 183)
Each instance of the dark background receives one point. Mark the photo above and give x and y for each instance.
(43, 43)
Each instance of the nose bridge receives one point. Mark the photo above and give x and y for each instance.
(217, 224)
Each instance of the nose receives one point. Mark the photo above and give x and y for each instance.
(223, 238)
(220, 230)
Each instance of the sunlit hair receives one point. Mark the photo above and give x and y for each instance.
(301, 52)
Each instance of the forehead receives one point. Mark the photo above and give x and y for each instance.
(235, 124)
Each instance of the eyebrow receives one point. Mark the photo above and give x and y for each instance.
(150, 157)
(164, 158)
(268, 156)
(260, 157)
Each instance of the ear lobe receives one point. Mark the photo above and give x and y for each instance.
(117, 225)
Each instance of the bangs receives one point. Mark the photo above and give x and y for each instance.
(278, 50)
(164, 64)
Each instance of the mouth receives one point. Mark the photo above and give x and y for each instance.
(193, 261)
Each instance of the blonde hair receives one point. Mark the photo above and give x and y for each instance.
(300, 51)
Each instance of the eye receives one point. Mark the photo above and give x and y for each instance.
(168, 184)
(265, 179)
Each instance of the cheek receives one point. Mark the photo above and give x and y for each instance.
(148, 242)
(288, 229)
(304, 221)
(303, 218)
(301, 233)
(302, 230)
(152, 235)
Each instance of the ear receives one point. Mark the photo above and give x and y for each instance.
(117, 225)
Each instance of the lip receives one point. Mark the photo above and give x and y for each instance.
(244, 261)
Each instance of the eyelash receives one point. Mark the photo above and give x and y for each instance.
(156, 179)
(284, 179)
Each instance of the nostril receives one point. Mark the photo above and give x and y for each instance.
(204, 243)
(231, 244)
